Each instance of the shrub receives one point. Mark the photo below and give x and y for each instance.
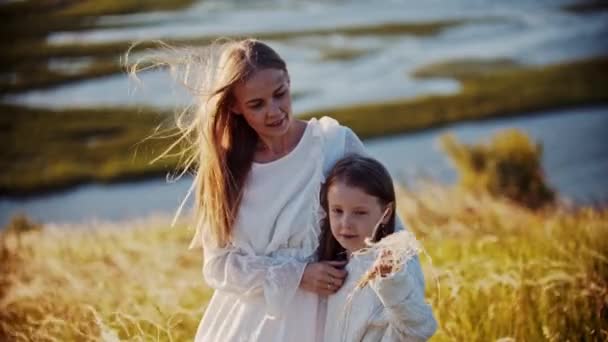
(509, 165)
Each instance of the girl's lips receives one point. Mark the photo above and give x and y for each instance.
(348, 236)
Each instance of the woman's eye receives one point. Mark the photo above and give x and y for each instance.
(256, 105)
(280, 94)
(336, 211)
(360, 212)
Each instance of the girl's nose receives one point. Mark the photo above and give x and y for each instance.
(345, 224)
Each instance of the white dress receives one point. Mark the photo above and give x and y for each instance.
(256, 279)
(390, 309)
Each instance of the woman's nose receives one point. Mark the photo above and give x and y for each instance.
(275, 109)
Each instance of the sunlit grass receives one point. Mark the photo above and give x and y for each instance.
(501, 271)
(497, 271)
(135, 281)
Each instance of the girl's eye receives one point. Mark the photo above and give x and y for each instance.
(360, 212)
(336, 211)
(280, 94)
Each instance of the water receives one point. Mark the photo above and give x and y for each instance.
(575, 153)
(575, 159)
(529, 32)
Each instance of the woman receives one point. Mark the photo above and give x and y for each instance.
(258, 178)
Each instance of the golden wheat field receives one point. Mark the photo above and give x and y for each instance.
(494, 271)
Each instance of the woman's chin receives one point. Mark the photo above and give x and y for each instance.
(279, 130)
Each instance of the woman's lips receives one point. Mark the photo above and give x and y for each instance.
(277, 123)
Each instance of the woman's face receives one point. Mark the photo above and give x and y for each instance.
(265, 102)
(353, 215)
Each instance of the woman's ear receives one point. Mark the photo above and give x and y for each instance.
(234, 110)
(233, 106)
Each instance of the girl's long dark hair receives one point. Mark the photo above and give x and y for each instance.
(371, 177)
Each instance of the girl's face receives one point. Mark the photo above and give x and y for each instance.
(265, 102)
(353, 215)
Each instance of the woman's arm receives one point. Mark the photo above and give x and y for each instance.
(276, 278)
(232, 270)
(402, 295)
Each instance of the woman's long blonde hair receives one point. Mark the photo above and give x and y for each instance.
(219, 144)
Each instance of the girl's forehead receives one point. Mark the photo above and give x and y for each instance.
(348, 193)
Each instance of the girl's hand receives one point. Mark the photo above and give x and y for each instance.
(383, 266)
(323, 277)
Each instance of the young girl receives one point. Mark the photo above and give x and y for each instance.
(359, 199)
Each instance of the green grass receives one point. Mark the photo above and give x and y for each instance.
(25, 25)
(342, 54)
(40, 50)
(114, 7)
(28, 76)
(489, 90)
(86, 8)
(46, 150)
(495, 271)
(25, 20)
(26, 52)
(587, 6)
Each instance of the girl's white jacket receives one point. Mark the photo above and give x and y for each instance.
(388, 309)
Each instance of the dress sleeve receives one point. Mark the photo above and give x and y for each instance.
(402, 295)
(230, 269)
(353, 145)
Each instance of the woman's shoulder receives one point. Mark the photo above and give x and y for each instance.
(326, 123)
(337, 140)
(331, 130)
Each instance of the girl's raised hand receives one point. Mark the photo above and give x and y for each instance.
(382, 267)
(384, 264)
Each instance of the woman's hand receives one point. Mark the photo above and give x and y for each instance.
(323, 277)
